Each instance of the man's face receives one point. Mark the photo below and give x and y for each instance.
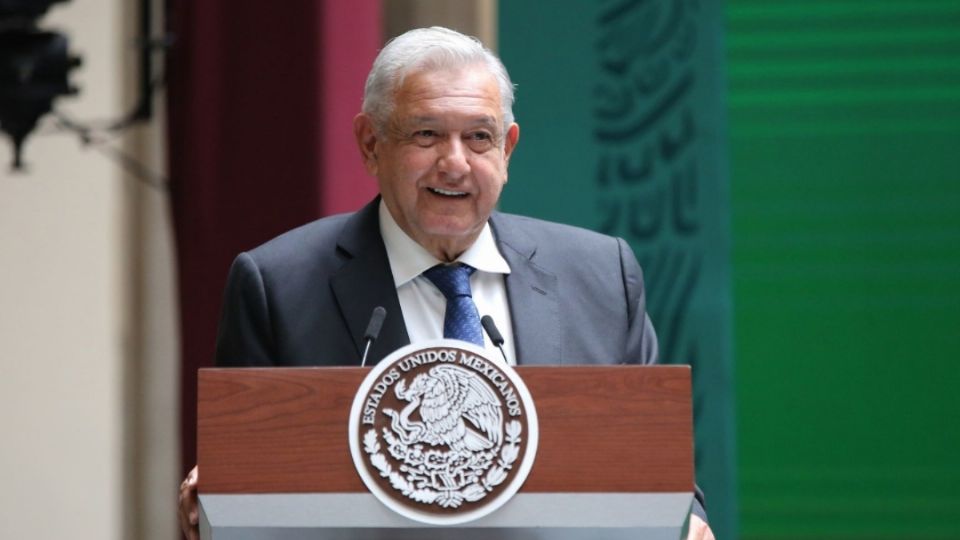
(443, 160)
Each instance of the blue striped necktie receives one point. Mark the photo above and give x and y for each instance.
(461, 319)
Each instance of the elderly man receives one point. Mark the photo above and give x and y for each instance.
(437, 131)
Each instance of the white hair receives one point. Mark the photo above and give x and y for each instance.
(432, 49)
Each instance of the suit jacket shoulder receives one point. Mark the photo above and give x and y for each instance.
(304, 297)
(576, 296)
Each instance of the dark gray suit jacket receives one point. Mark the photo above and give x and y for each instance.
(305, 297)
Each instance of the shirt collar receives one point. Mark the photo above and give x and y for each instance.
(409, 259)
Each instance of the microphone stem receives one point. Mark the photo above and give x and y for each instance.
(366, 350)
(504, 354)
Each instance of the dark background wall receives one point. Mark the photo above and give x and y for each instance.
(260, 125)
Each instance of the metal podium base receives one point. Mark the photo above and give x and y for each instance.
(360, 516)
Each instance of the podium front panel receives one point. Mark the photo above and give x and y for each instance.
(615, 457)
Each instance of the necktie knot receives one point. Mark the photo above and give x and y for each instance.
(453, 280)
(461, 319)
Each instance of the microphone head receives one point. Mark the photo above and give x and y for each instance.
(375, 324)
(487, 322)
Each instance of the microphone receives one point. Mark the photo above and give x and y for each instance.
(373, 330)
(495, 337)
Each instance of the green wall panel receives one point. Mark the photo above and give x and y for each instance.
(845, 122)
(845, 196)
(623, 130)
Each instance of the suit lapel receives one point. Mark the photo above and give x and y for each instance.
(533, 295)
(365, 282)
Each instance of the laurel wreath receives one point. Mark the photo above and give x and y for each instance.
(471, 493)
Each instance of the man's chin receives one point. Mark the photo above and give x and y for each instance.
(451, 227)
(451, 240)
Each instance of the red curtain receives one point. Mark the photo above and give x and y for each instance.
(260, 101)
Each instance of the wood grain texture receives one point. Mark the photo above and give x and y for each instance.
(602, 429)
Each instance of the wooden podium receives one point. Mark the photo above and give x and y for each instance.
(615, 458)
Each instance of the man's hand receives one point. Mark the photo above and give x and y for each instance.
(699, 530)
(189, 516)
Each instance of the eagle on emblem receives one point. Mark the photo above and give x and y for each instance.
(456, 408)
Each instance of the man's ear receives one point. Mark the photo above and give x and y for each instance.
(513, 136)
(366, 135)
(510, 142)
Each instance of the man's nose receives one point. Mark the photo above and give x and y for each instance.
(453, 160)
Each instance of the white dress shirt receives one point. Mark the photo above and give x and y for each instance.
(423, 305)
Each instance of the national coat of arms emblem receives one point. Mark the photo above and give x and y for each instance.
(441, 433)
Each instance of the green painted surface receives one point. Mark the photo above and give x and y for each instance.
(623, 130)
(844, 123)
(845, 135)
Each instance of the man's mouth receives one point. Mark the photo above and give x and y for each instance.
(447, 192)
